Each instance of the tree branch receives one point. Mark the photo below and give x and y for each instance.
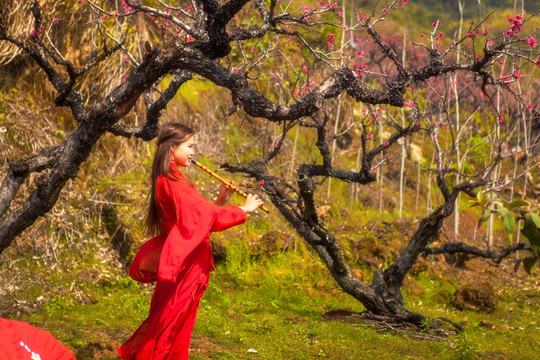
(463, 248)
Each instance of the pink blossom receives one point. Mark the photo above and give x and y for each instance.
(537, 63)
(369, 136)
(405, 2)
(361, 17)
(261, 181)
(329, 40)
(530, 106)
(531, 41)
(436, 23)
(125, 59)
(295, 93)
(506, 145)
(485, 33)
(489, 43)
(440, 36)
(306, 9)
(124, 80)
(517, 74)
(189, 38)
(56, 20)
(253, 49)
(501, 61)
(305, 69)
(501, 118)
(386, 143)
(516, 27)
(408, 103)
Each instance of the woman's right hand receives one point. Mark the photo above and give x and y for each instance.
(251, 204)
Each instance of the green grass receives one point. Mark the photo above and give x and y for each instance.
(274, 305)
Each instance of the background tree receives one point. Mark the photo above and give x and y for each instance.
(333, 89)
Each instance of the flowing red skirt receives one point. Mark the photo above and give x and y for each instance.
(166, 333)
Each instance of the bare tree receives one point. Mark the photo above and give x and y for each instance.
(205, 39)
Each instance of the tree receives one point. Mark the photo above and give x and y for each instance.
(233, 46)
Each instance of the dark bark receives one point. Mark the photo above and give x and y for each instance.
(463, 248)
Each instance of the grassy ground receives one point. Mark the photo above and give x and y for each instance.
(270, 307)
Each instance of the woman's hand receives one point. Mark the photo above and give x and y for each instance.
(251, 204)
(225, 193)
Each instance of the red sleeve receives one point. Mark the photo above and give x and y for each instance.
(227, 217)
(195, 217)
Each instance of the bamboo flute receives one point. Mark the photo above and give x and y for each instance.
(216, 176)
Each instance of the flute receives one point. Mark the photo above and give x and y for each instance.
(201, 166)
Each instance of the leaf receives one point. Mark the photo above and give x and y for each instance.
(535, 249)
(535, 218)
(475, 203)
(517, 203)
(531, 232)
(480, 196)
(485, 215)
(528, 265)
(509, 222)
(502, 209)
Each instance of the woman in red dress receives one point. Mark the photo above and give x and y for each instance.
(179, 258)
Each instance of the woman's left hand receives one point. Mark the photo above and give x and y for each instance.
(225, 193)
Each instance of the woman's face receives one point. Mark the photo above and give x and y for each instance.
(183, 153)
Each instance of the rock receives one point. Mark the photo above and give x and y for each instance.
(476, 296)
(486, 324)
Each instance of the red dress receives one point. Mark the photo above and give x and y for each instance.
(179, 259)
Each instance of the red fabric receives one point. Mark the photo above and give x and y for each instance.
(21, 341)
(179, 260)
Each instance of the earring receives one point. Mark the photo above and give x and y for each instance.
(172, 158)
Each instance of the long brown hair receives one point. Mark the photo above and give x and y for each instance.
(170, 135)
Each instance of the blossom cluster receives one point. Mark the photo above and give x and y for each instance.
(515, 26)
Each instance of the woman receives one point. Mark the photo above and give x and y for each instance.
(179, 258)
